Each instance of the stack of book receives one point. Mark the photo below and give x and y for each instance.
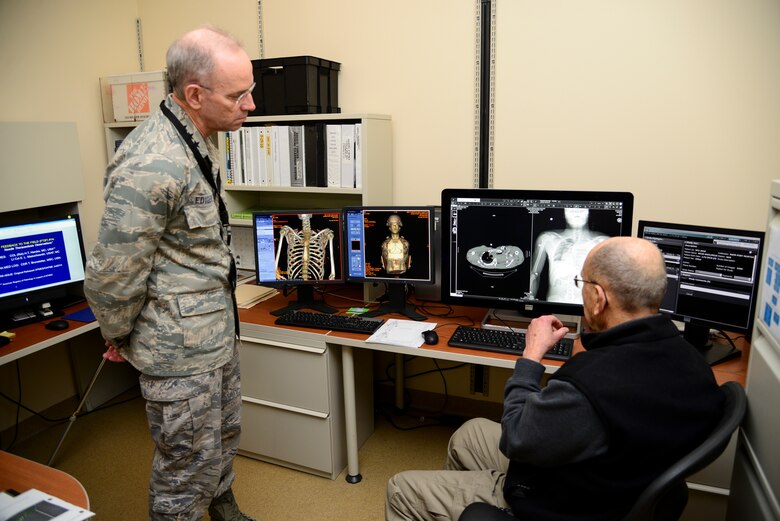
(307, 155)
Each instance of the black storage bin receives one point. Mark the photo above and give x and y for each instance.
(295, 85)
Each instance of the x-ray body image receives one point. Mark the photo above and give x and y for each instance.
(562, 239)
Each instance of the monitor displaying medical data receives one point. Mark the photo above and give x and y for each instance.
(298, 247)
(389, 244)
(40, 261)
(521, 249)
(712, 275)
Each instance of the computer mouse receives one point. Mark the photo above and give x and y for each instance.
(58, 325)
(430, 337)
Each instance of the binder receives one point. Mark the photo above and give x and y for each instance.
(283, 153)
(333, 154)
(238, 164)
(269, 159)
(252, 147)
(296, 155)
(229, 159)
(348, 155)
(358, 155)
(310, 156)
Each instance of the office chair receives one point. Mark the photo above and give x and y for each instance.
(664, 499)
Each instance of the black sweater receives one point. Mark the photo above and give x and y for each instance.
(656, 398)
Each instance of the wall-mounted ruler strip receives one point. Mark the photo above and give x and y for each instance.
(484, 92)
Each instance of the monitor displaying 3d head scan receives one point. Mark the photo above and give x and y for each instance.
(298, 248)
(391, 245)
(521, 249)
(712, 276)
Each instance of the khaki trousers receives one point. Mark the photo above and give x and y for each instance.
(474, 471)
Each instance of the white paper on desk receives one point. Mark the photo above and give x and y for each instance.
(406, 333)
(30, 502)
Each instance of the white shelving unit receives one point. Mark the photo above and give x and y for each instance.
(377, 167)
(116, 132)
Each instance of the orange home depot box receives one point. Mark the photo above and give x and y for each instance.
(132, 97)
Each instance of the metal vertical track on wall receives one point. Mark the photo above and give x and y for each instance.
(260, 42)
(477, 90)
(139, 43)
(484, 93)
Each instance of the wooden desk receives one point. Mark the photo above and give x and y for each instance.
(258, 322)
(32, 338)
(20, 474)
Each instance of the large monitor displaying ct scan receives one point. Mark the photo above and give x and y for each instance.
(521, 249)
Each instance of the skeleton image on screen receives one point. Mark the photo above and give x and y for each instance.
(564, 251)
(395, 249)
(495, 262)
(307, 251)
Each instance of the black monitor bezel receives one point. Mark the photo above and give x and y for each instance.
(431, 258)
(703, 322)
(49, 294)
(525, 307)
(338, 257)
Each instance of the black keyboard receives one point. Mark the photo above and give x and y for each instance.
(501, 341)
(349, 323)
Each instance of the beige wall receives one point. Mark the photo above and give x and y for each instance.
(674, 100)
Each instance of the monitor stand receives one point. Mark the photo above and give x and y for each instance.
(305, 301)
(510, 319)
(396, 303)
(713, 352)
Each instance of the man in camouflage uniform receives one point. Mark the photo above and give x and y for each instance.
(160, 279)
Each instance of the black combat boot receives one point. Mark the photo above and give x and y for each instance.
(225, 508)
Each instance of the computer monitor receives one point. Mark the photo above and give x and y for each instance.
(41, 266)
(712, 278)
(391, 245)
(301, 249)
(518, 251)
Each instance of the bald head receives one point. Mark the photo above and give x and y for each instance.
(193, 57)
(632, 269)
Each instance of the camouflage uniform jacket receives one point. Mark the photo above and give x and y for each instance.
(158, 278)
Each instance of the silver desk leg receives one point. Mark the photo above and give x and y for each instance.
(350, 414)
(78, 410)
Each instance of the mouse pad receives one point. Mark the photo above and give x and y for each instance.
(84, 315)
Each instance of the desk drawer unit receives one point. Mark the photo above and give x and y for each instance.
(290, 374)
(293, 405)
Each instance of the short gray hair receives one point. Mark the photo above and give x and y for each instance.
(190, 59)
(636, 283)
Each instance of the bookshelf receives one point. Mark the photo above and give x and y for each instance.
(376, 164)
(117, 132)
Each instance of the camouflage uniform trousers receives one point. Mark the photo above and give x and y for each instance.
(195, 422)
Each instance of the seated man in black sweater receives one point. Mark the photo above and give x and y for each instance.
(609, 420)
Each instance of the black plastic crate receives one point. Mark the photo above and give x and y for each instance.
(295, 85)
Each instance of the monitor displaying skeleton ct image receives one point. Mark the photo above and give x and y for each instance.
(522, 249)
(298, 248)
